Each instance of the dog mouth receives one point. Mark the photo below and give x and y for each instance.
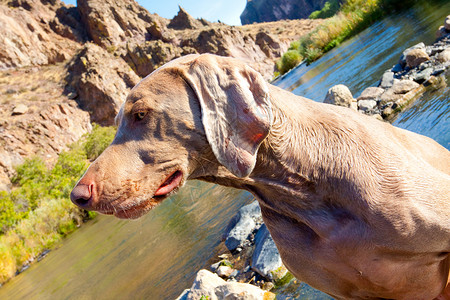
(142, 207)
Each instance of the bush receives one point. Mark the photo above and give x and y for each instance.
(289, 60)
(38, 212)
(329, 9)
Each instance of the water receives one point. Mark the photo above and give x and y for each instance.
(157, 256)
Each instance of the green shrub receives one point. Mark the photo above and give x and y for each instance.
(289, 60)
(98, 140)
(329, 9)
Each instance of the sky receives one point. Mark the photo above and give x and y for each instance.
(227, 11)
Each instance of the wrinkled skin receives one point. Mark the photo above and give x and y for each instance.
(357, 208)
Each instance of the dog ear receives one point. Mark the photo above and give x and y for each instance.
(236, 110)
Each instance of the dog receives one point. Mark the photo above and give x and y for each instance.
(358, 208)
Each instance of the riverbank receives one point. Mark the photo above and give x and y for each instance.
(249, 254)
(418, 70)
(352, 17)
(37, 213)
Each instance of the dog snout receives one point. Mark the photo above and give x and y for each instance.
(83, 195)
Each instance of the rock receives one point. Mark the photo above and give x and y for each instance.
(441, 32)
(339, 95)
(110, 23)
(404, 86)
(447, 23)
(266, 257)
(19, 109)
(387, 80)
(269, 44)
(27, 39)
(402, 61)
(210, 286)
(397, 68)
(224, 271)
(367, 105)
(273, 10)
(372, 93)
(415, 57)
(146, 57)
(183, 20)
(423, 75)
(242, 225)
(444, 56)
(101, 81)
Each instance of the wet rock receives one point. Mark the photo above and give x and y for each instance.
(266, 257)
(415, 57)
(367, 105)
(371, 93)
(339, 95)
(212, 287)
(224, 271)
(183, 20)
(402, 61)
(240, 227)
(20, 109)
(397, 68)
(101, 81)
(444, 56)
(387, 80)
(423, 75)
(404, 86)
(441, 32)
(447, 23)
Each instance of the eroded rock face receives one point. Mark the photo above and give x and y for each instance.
(101, 82)
(110, 23)
(27, 36)
(273, 10)
(183, 20)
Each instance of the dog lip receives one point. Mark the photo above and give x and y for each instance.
(171, 183)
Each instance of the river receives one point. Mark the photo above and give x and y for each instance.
(157, 256)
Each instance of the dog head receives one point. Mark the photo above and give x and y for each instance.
(191, 115)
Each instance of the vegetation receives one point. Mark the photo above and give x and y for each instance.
(329, 9)
(37, 213)
(352, 17)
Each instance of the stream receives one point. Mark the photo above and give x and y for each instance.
(158, 255)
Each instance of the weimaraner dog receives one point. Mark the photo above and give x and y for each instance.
(357, 208)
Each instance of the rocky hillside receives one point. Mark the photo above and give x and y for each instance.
(273, 10)
(63, 67)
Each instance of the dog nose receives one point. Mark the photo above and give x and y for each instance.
(82, 195)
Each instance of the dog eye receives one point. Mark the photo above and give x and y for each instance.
(140, 115)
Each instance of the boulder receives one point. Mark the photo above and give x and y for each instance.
(210, 286)
(183, 20)
(339, 95)
(371, 93)
(447, 23)
(402, 61)
(266, 257)
(101, 81)
(19, 109)
(444, 56)
(387, 80)
(404, 86)
(242, 225)
(367, 105)
(415, 57)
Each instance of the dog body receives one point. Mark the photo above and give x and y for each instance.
(357, 208)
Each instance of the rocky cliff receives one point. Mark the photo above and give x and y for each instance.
(274, 10)
(63, 67)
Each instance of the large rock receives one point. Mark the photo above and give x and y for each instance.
(415, 57)
(101, 82)
(208, 285)
(339, 95)
(26, 35)
(444, 56)
(246, 221)
(273, 10)
(266, 258)
(110, 23)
